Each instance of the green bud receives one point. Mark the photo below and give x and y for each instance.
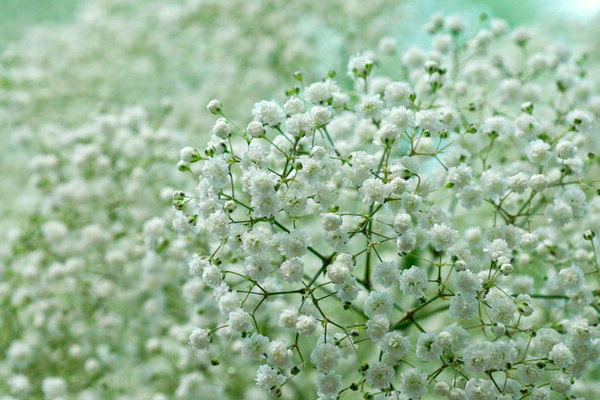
(183, 166)
(589, 234)
(471, 129)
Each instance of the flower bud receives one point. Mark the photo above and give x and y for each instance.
(214, 106)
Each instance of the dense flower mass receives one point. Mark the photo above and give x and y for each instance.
(91, 304)
(427, 232)
(91, 294)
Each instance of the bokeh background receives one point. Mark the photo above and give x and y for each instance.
(63, 63)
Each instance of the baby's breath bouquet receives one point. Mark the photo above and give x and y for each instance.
(428, 233)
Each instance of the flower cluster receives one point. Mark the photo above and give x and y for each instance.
(90, 278)
(425, 232)
(91, 303)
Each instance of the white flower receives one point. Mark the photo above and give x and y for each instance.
(240, 321)
(294, 244)
(291, 270)
(360, 66)
(321, 116)
(502, 308)
(397, 93)
(428, 347)
(347, 291)
(19, 385)
(413, 281)
(459, 176)
(200, 338)
(370, 106)
(386, 273)
(572, 277)
(279, 354)
(338, 272)
(325, 356)
(212, 276)
(394, 345)
(537, 151)
(379, 374)
(255, 129)
(402, 117)
(267, 377)
(214, 106)
(524, 302)
(464, 306)
(258, 268)
(561, 383)
(478, 356)
(377, 327)
(565, 149)
(378, 302)
(189, 154)
(268, 113)
(320, 92)
(467, 282)
(413, 383)
(255, 346)
(406, 242)
(306, 325)
(580, 119)
(402, 222)
(288, 319)
(442, 236)
(300, 125)
(428, 120)
(521, 35)
(54, 387)
(221, 129)
(518, 183)
(497, 248)
(561, 355)
(331, 222)
(480, 389)
(197, 264)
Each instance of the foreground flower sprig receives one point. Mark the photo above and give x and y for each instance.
(428, 234)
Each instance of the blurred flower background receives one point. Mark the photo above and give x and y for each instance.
(96, 99)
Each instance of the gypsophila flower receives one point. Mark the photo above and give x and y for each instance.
(379, 375)
(200, 338)
(413, 281)
(377, 327)
(442, 236)
(416, 226)
(325, 356)
(306, 325)
(268, 113)
(255, 346)
(413, 383)
(267, 377)
(428, 346)
(561, 355)
(329, 384)
(387, 274)
(464, 306)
